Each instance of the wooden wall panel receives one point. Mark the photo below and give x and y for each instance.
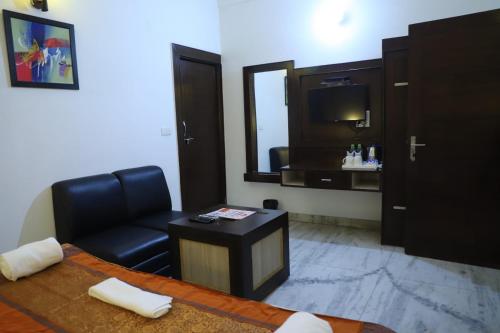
(321, 145)
(395, 57)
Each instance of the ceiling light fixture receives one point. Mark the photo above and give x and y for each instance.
(331, 21)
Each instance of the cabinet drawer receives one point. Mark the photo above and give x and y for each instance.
(328, 179)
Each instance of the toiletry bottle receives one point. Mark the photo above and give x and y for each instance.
(371, 154)
(358, 157)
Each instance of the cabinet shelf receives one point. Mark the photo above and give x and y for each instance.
(294, 178)
(369, 181)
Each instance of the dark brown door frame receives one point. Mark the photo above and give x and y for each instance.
(179, 53)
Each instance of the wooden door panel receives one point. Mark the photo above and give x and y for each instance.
(454, 108)
(198, 92)
(200, 116)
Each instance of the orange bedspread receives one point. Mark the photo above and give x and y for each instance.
(56, 300)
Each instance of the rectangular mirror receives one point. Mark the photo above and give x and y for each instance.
(266, 120)
(271, 111)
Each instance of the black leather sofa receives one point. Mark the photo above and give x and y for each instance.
(120, 217)
(278, 158)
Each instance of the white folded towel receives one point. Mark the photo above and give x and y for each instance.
(30, 258)
(303, 322)
(119, 293)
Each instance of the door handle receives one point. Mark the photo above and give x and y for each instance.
(413, 147)
(187, 139)
(326, 180)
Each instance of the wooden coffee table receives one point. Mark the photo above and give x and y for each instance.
(247, 258)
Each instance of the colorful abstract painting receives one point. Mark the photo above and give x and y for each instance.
(41, 52)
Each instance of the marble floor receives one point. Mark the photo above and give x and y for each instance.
(345, 272)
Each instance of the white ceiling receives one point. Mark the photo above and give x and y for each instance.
(225, 3)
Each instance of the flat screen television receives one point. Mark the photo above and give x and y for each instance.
(339, 103)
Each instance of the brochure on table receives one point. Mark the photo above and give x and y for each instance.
(231, 214)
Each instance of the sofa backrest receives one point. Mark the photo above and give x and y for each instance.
(278, 158)
(83, 206)
(145, 190)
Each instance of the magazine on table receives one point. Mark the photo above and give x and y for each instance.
(230, 213)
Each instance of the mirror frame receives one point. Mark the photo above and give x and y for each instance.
(252, 174)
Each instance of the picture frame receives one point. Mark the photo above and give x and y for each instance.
(41, 52)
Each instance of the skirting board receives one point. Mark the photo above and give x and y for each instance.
(338, 221)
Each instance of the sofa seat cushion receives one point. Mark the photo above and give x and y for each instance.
(159, 221)
(125, 245)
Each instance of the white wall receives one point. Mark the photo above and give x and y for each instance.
(126, 95)
(263, 31)
(272, 114)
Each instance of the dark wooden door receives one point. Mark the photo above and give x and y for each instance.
(454, 109)
(395, 51)
(200, 127)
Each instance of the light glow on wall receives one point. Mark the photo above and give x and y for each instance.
(330, 21)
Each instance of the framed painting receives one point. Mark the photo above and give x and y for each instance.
(41, 52)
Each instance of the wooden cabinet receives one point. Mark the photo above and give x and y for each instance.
(331, 179)
(317, 148)
(395, 67)
(247, 258)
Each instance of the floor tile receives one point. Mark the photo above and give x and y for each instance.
(438, 272)
(408, 306)
(345, 272)
(319, 289)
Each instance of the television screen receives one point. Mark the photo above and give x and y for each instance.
(340, 103)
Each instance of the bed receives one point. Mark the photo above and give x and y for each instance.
(56, 300)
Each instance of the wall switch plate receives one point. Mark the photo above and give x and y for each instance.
(166, 132)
